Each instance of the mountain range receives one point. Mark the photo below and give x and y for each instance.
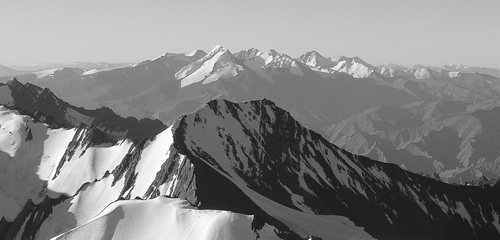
(178, 147)
(318, 91)
(249, 167)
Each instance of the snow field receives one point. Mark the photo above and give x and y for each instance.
(165, 218)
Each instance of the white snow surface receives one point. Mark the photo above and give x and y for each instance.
(153, 156)
(165, 218)
(30, 154)
(215, 65)
(95, 70)
(315, 60)
(422, 73)
(258, 62)
(353, 66)
(180, 56)
(46, 73)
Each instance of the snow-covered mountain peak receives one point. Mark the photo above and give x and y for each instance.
(396, 66)
(357, 59)
(315, 60)
(218, 63)
(215, 50)
(280, 61)
(195, 53)
(354, 66)
(247, 53)
(270, 63)
(340, 58)
(392, 72)
(186, 57)
(272, 52)
(14, 127)
(456, 66)
(350, 60)
(421, 73)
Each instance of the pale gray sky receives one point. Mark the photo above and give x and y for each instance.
(408, 32)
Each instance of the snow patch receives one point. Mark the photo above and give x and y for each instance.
(496, 220)
(152, 157)
(47, 73)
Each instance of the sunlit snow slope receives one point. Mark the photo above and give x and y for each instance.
(166, 218)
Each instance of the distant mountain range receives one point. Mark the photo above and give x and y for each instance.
(6, 71)
(457, 142)
(318, 91)
(82, 65)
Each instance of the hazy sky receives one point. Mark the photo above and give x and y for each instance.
(408, 32)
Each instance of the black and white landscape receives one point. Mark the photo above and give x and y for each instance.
(249, 144)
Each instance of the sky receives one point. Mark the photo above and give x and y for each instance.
(409, 32)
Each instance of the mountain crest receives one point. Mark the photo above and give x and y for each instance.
(247, 53)
(316, 60)
(218, 63)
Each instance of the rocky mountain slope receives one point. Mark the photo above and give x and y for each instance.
(450, 138)
(248, 170)
(43, 105)
(6, 71)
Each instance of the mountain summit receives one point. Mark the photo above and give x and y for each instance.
(218, 63)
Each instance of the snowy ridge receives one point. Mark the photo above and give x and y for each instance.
(218, 63)
(354, 67)
(270, 63)
(186, 57)
(392, 72)
(256, 61)
(166, 218)
(316, 61)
